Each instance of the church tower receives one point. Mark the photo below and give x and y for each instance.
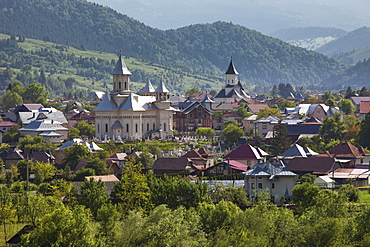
(121, 77)
(231, 74)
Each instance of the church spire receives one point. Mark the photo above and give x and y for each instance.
(121, 76)
(231, 69)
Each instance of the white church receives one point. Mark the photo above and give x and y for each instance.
(122, 114)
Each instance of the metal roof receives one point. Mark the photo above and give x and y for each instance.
(161, 88)
(148, 87)
(131, 104)
(231, 69)
(121, 68)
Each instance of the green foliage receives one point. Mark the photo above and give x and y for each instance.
(308, 178)
(280, 141)
(266, 112)
(192, 91)
(64, 227)
(350, 192)
(232, 133)
(99, 166)
(85, 129)
(332, 129)
(74, 154)
(175, 192)
(132, 191)
(93, 195)
(304, 195)
(12, 136)
(205, 131)
(347, 107)
(232, 194)
(35, 143)
(364, 133)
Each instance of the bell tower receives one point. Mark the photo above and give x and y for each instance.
(121, 77)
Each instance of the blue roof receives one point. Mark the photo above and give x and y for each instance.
(121, 68)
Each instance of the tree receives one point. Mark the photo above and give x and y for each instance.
(43, 171)
(364, 133)
(346, 106)
(192, 91)
(274, 91)
(7, 211)
(64, 227)
(308, 178)
(35, 93)
(10, 99)
(12, 136)
(242, 111)
(73, 133)
(98, 165)
(232, 194)
(351, 193)
(332, 129)
(266, 112)
(232, 133)
(304, 195)
(75, 153)
(93, 195)
(29, 143)
(280, 141)
(132, 191)
(349, 93)
(146, 159)
(85, 129)
(205, 131)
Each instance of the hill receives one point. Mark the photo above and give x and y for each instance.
(71, 72)
(204, 48)
(354, 40)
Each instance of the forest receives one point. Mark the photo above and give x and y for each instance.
(203, 48)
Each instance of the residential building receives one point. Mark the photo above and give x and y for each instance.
(319, 111)
(123, 114)
(50, 130)
(247, 155)
(349, 154)
(42, 114)
(226, 167)
(173, 165)
(275, 177)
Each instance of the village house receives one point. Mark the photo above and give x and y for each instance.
(275, 177)
(319, 111)
(226, 167)
(350, 155)
(247, 155)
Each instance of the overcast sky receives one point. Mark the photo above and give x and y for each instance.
(265, 16)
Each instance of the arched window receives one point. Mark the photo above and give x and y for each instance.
(135, 127)
(119, 85)
(147, 127)
(127, 129)
(106, 127)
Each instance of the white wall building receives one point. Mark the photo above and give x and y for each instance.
(123, 114)
(275, 177)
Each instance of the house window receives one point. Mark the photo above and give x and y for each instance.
(191, 115)
(264, 127)
(127, 128)
(106, 127)
(199, 120)
(252, 185)
(248, 162)
(199, 109)
(259, 185)
(120, 85)
(273, 186)
(259, 177)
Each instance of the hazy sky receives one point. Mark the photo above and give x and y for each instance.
(262, 15)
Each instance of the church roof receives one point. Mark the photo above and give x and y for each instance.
(117, 125)
(131, 104)
(148, 87)
(121, 68)
(231, 70)
(161, 88)
(106, 104)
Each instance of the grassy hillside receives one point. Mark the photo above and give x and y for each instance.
(353, 57)
(59, 62)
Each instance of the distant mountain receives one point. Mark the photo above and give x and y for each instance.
(310, 38)
(354, 57)
(300, 33)
(354, 40)
(265, 16)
